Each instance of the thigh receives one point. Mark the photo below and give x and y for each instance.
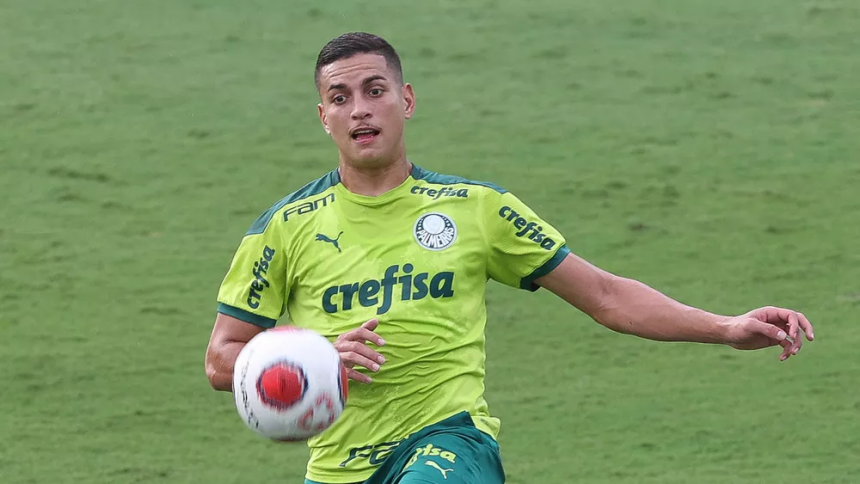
(453, 458)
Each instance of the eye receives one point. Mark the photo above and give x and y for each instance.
(375, 92)
(339, 99)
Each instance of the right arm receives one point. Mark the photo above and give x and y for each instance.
(255, 289)
(230, 335)
(250, 299)
(228, 338)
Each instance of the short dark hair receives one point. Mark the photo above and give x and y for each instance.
(354, 43)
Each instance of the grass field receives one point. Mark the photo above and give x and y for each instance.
(708, 148)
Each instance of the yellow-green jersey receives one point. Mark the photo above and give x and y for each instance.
(417, 258)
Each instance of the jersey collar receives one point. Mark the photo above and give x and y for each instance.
(393, 194)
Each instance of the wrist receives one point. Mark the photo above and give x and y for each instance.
(721, 329)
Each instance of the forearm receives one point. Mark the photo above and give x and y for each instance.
(220, 361)
(631, 307)
(628, 306)
(228, 338)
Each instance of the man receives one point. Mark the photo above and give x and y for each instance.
(391, 261)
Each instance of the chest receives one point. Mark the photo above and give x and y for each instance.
(418, 252)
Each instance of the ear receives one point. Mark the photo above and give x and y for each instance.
(323, 118)
(409, 99)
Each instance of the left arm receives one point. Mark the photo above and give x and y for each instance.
(631, 307)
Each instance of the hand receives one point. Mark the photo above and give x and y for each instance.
(353, 350)
(769, 326)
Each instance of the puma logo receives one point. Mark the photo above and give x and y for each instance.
(323, 238)
(436, 466)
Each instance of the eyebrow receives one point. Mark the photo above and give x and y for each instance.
(365, 82)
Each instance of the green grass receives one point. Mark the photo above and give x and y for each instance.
(707, 148)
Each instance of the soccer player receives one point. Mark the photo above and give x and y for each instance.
(391, 261)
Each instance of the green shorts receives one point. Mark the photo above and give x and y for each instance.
(452, 451)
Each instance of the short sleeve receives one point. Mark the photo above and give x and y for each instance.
(523, 247)
(255, 287)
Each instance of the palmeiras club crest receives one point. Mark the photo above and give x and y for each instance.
(435, 231)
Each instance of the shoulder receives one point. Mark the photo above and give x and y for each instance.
(432, 178)
(301, 196)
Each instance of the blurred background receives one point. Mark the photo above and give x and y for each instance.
(707, 148)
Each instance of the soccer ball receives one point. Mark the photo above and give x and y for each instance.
(289, 384)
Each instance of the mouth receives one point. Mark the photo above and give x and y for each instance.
(364, 134)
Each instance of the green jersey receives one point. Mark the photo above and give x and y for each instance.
(417, 258)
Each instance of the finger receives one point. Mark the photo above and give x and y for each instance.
(796, 343)
(783, 320)
(360, 349)
(765, 329)
(793, 330)
(793, 325)
(361, 335)
(806, 326)
(357, 376)
(786, 349)
(352, 359)
(772, 314)
(762, 314)
(371, 324)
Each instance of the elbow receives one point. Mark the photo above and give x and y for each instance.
(609, 309)
(218, 380)
(212, 376)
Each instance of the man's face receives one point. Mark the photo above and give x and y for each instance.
(364, 108)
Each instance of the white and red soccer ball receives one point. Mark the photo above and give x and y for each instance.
(289, 384)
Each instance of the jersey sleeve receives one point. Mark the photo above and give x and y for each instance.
(255, 287)
(522, 246)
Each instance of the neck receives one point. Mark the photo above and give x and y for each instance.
(376, 180)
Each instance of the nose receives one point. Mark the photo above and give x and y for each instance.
(360, 110)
